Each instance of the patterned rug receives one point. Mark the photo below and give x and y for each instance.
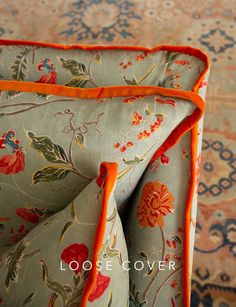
(209, 25)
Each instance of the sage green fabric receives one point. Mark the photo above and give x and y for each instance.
(51, 264)
(51, 148)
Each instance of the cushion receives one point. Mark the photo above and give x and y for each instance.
(66, 109)
(58, 253)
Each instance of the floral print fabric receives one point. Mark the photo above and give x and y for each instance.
(60, 267)
(51, 147)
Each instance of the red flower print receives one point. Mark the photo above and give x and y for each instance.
(168, 243)
(125, 64)
(164, 159)
(50, 77)
(173, 243)
(203, 84)
(129, 144)
(117, 145)
(15, 162)
(75, 252)
(143, 135)
(156, 125)
(174, 284)
(184, 153)
(12, 163)
(136, 119)
(129, 99)
(132, 99)
(141, 57)
(101, 285)
(122, 149)
(33, 215)
(167, 258)
(182, 62)
(172, 102)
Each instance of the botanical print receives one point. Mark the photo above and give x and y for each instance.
(156, 202)
(170, 69)
(50, 75)
(15, 161)
(77, 255)
(51, 163)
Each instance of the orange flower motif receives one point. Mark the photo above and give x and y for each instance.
(129, 144)
(143, 135)
(135, 119)
(130, 99)
(176, 85)
(156, 202)
(123, 148)
(156, 124)
(125, 64)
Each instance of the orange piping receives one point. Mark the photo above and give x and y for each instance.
(115, 91)
(109, 171)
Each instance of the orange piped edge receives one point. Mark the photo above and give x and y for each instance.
(106, 180)
(190, 123)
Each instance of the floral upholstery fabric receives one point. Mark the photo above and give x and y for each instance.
(53, 141)
(72, 235)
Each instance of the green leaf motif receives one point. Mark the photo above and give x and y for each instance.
(28, 299)
(50, 173)
(20, 65)
(54, 153)
(136, 160)
(53, 285)
(72, 212)
(80, 139)
(75, 68)
(108, 251)
(169, 57)
(65, 228)
(78, 82)
(109, 304)
(143, 255)
(112, 216)
(130, 82)
(13, 260)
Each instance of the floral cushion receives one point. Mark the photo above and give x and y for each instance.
(66, 109)
(86, 234)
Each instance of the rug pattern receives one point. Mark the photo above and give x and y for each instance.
(209, 25)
